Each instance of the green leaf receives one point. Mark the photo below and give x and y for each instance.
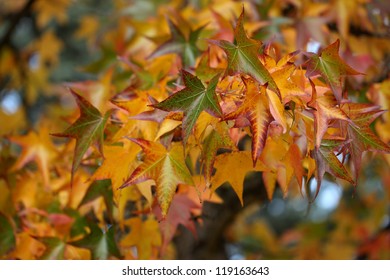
(180, 44)
(101, 243)
(100, 188)
(166, 168)
(192, 100)
(243, 56)
(331, 67)
(80, 223)
(55, 248)
(88, 128)
(327, 161)
(7, 237)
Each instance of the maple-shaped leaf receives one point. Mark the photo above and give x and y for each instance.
(192, 100)
(47, 10)
(166, 168)
(88, 128)
(217, 139)
(180, 213)
(237, 165)
(117, 173)
(289, 88)
(180, 44)
(243, 56)
(254, 109)
(327, 161)
(282, 160)
(325, 109)
(37, 147)
(144, 235)
(363, 138)
(331, 67)
(101, 242)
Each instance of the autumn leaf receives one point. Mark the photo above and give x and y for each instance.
(27, 247)
(217, 139)
(327, 161)
(180, 44)
(241, 163)
(224, 30)
(144, 235)
(289, 88)
(35, 147)
(47, 10)
(243, 56)
(7, 235)
(254, 109)
(347, 12)
(276, 156)
(203, 70)
(295, 158)
(89, 26)
(101, 242)
(180, 213)
(359, 131)
(310, 22)
(325, 109)
(55, 248)
(49, 47)
(331, 67)
(192, 100)
(117, 173)
(166, 168)
(135, 107)
(100, 188)
(89, 127)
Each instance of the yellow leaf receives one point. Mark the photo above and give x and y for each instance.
(118, 173)
(145, 236)
(36, 147)
(48, 48)
(89, 26)
(166, 167)
(241, 163)
(27, 248)
(276, 157)
(48, 10)
(167, 126)
(25, 191)
(76, 253)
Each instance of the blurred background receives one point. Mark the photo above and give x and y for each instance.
(49, 45)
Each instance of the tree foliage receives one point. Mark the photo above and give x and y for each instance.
(182, 101)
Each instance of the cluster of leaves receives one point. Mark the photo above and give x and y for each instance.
(177, 116)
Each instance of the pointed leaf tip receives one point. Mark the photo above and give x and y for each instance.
(88, 128)
(192, 100)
